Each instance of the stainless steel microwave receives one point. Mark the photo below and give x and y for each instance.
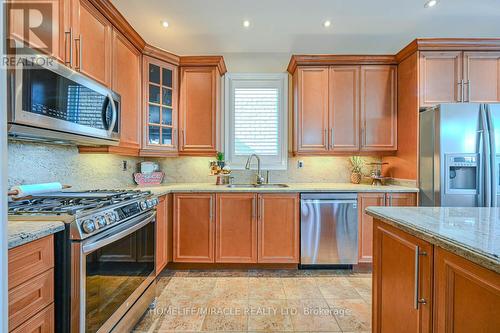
(51, 102)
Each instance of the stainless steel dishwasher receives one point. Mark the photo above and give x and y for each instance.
(329, 229)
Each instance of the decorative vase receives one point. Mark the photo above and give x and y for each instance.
(356, 177)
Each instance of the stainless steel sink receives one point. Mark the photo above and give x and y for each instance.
(257, 185)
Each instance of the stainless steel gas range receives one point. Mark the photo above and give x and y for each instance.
(105, 258)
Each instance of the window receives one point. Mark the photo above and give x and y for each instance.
(256, 119)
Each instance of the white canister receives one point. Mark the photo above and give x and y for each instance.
(149, 167)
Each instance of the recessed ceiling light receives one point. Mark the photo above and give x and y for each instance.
(327, 23)
(164, 23)
(246, 23)
(430, 3)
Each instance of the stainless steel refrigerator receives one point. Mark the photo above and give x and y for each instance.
(459, 148)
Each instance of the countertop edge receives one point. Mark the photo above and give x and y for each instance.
(25, 236)
(445, 243)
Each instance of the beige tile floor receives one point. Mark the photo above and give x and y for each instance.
(260, 301)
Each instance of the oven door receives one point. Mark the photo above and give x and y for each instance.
(115, 268)
(56, 98)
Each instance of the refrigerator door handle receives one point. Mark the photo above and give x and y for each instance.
(492, 156)
(480, 188)
(485, 158)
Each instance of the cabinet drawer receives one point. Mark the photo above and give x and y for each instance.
(27, 299)
(43, 322)
(30, 260)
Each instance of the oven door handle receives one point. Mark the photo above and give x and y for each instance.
(125, 230)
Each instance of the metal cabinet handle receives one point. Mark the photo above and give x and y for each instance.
(326, 137)
(80, 46)
(385, 200)
(461, 90)
(211, 208)
(390, 199)
(70, 33)
(331, 137)
(253, 208)
(468, 90)
(259, 210)
(418, 300)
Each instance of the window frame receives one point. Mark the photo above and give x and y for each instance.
(257, 80)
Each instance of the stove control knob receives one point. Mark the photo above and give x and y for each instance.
(150, 203)
(110, 218)
(143, 205)
(155, 201)
(101, 221)
(88, 226)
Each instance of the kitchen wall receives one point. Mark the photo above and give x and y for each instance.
(30, 163)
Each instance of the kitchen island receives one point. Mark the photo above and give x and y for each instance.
(446, 264)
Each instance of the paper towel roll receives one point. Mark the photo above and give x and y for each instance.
(27, 190)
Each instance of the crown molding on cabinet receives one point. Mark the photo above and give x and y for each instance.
(192, 61)
(161, 54)
(337, 59)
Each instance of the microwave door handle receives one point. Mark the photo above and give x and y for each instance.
(114, 115)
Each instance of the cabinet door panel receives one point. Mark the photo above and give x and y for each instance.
(482, 77)
(395, 274)
(127, 83)
(198, 109)
(92, 42)
(312, 109)
(401, 199)
(365, 223)
(467, 296)
(236, 228)
(278, 230)
(440, 77)
(344, 108)
(378, 108)
(193, 228)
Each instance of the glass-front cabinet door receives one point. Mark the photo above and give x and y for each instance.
(160, 113)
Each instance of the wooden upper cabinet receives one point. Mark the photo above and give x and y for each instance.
(193, 228)
(236, 228)
(402, 275)
(482, 77)
(92, 42)
(440, 77)
(312, 109)
(162, 239)
(467, 296)
(344, 108)
(278, 230)
(378, 108)
(127, 83)
(365, 224)
(199, 110)
(54, 41)
(160, 108)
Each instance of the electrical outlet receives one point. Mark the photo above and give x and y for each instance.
(124, 166)
(300, 164)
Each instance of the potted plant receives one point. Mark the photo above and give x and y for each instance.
(220, 159)
(356, 165)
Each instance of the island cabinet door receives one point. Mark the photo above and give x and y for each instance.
(278, 228)
(402, 281)
(236, 228)
(193, 227)
(467, 296)
(365, 222)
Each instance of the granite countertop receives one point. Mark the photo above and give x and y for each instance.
(22, 232)
(473, 233)
(293, 187)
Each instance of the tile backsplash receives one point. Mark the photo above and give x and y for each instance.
(39, 163)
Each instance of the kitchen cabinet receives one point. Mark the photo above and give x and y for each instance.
(193, 227)
(481, 77)
(378, 108)
(92, 42)
(160, 108)
(162, 235)
(199, 110)
(31, 286)
(312, 109)
(466, 296)
(278, 228)
(236, 228)
(127, 82)
(402, 281)
(55, 41)
(344, 108)
(365, 221)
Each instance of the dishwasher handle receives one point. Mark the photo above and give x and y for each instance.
(330, 201)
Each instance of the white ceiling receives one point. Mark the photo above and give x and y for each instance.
(296, 26)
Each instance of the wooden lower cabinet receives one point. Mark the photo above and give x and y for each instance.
(193, 227)
(162, 235)
(236, 228)
(466, 296)
(402, 275)
(43, 322)
(401, 199)
(278, 229)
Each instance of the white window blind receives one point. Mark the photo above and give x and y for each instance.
(256, 119)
